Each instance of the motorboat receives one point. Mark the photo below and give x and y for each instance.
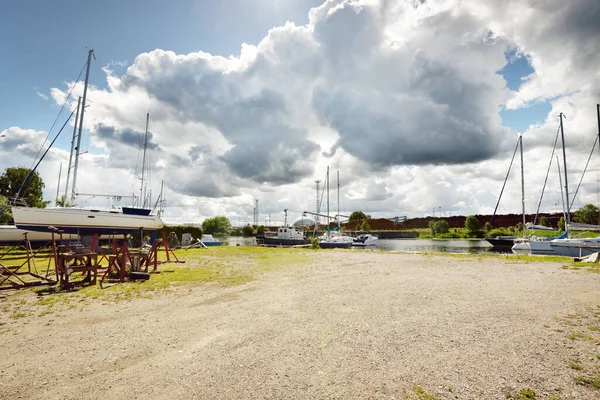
(285, 236)
(209, 240)
(365, 240)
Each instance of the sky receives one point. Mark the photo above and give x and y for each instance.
(417, 104)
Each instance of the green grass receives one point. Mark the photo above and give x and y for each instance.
(574, 336)
(422, 394)
(593, 381)
(224, 266)
(576, 365)
(524, 394)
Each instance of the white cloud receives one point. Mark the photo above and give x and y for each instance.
(402, 97)
(42, 95)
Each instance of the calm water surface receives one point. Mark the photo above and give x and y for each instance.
(410, 245)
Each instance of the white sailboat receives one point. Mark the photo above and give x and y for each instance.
(85, 221)
(334, 240)
(571, 246)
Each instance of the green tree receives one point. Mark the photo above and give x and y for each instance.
(488, 226)
(561, 224)
(357, 216)
(32, 193)
(587, 214)
(439, 227)
(365, 226)
(5, 212)
(248, 231)
(544, 221)
(260, 230)
(62, 201)
(218, 224)
(432, 227)
(472, 224)
(442, 226)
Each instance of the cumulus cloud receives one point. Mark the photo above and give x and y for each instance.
(402, 96)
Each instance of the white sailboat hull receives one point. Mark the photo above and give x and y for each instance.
(10, 235)
(83, 222)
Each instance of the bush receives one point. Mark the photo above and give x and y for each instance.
(472, 224)
(196, 231)
(499, 232)
(314, 243)
(488, 226)
(248, 231)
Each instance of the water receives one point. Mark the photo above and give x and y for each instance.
(409, 245)
(439, 246)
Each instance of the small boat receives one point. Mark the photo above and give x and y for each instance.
(209, 240)
(365, 240)
(502, 242)
(521, 246)
(286, 236)
(335, 240)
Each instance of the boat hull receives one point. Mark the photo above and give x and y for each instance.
(501, 243)
(210, 244)
(83, 222)
(11, 235)
(274, 241)
(335, 245)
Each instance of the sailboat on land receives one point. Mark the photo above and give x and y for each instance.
(84, 221)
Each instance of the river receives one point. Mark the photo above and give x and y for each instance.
(409, 245)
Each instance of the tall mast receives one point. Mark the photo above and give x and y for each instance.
(598, 114)
(562, 199)
(87, 77)
(338, 201)
(328, 198)
(71, 153)
(142, 195)
(522, 186)
(58, 184)
(562, 135)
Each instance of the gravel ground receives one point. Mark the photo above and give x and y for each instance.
(349, 325)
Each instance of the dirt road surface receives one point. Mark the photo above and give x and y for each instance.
(348, 325)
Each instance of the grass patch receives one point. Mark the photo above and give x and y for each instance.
(593, 381)
(17, 315)
(593, 328)
(574, 336)
(422, 394)
(575, 365)
(524, 394)
(223, 265)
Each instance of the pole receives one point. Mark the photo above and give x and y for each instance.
(328, 198)
(338, 200)
(522, 186)
(562, 135)
(71, 153)
(142, 195)
(598, 115)
(87, 77)
(58, 184)
(562, 199)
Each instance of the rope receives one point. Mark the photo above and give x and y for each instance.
(505, 179)
(547, 173)
(42, 157)
(584, 170)
(59, 113)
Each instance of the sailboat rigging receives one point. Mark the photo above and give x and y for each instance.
(83, 221)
